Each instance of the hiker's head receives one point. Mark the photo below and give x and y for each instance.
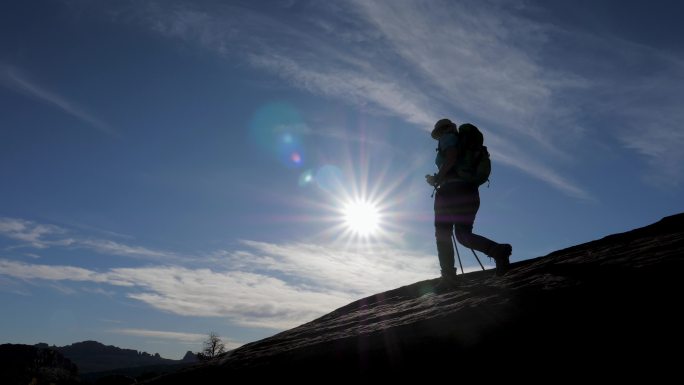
(442, 126)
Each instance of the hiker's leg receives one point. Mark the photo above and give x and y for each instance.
(445, 249)
(443, 231)
(467, 238)
(464, 233)
(469, 204)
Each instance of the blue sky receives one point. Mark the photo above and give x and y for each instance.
(171, 168)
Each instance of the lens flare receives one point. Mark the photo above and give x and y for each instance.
(296, 158)
(276, 129)
(306, 178)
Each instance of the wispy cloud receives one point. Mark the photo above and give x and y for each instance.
(54, 273)
(18, 81)
(37, 235)
(104, 246)
(482, 64)
(642, 104)
(279, 286)
(178, 336)
(358, 271)
(396, 62)
(187, 338)
(660, 138)
(513, 156)
(43, 236)
(264, 285)
(496, 63)
(375, 89)
(478, 56)
(294, 52)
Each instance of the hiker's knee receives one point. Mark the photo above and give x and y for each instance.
(464, 236)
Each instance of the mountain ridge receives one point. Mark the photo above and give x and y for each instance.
(93, 356)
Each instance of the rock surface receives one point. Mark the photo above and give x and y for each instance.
(609, 309)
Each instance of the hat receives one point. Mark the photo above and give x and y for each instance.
(442, 126)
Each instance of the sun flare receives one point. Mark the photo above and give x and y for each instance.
(362, 218)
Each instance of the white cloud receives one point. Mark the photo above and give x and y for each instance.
(268, 285)
(43, 236)
(280, 286)
(350, 85)
(14, 79)
(259, 284)
(511, 155)
(481, 62)
(37, 235)
(659, 138)
(645, 108)
(396, 62)
(361, 271)
(247, 299)
(192, 338)
(178, 336)
(529, 83)
(54, 273)
(473, 57)
(104, 246)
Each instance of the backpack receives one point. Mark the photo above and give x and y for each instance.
(473, 163)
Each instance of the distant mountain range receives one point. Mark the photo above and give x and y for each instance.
(82, 363)
(26, 364)
(93, 356)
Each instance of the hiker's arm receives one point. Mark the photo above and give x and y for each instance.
(448, 163)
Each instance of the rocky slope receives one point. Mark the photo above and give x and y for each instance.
(605, 309)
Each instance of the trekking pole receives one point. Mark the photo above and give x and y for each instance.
(453, 239)
(478, 259)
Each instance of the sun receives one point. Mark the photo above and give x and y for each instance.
(362, 217)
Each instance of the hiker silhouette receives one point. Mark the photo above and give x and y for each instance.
(457, 197)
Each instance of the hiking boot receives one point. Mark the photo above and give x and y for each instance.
(448, 280)
(446, 284)
(501, 252)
